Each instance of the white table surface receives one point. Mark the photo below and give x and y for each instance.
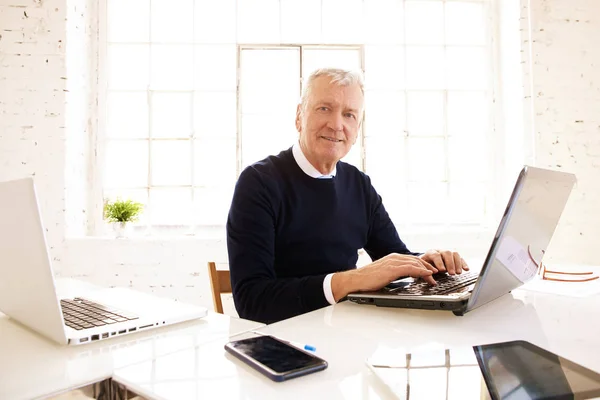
(32, 366)
(347, 334)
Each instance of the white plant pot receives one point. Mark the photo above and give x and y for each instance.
(122, 229)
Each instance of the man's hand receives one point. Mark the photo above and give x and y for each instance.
(445, 261)
(379, 273)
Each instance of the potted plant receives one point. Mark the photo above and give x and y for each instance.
(120, 213)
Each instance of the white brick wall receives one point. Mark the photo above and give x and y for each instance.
(566, 98)
(32, 97)
(33, 116)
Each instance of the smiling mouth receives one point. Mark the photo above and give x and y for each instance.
(334, 140)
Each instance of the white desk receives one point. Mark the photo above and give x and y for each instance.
(346, 334)
(32, 366)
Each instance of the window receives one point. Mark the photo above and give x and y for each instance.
(270, 87)
(195, 90)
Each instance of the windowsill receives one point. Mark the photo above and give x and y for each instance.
(145, 239)
(422, 237)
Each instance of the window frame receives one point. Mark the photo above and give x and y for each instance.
(496, 141)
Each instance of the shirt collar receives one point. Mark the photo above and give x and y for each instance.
(306, 166)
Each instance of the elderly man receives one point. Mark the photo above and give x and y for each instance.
(297, 219)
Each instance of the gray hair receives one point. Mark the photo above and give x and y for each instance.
(338, 76)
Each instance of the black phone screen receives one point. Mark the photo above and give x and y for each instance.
(274, 354)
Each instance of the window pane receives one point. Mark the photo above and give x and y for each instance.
(468, 114)
(128, 20)
(384, 67)
(462, 355)
(354, 156)
(425, 115)
(384, 21)
(300, 21)
(465, 23)
(423, 377)
(215, 67)
(425, 68)
(172, 20)
(127, 115)
(394, 197)
(424, 22)
(427, 203)
(468, 159)
(342, 21)
(428, 358)
(457, 390)
(467, 202)
(215, 21)
(126, 164)
(215, 114)
(385, 114)
(172, 67)
(212, 205)
(215, 162)
(171, 206)
(171, 163)
(270, 81)
(426, 159)
(171, 115)
(258, 21)
(264, 135)
(313, 59)
(467, 67)
(128, 66)
(385, 160)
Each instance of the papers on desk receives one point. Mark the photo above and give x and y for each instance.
(572, 289)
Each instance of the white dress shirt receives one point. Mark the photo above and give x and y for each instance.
(311, 171)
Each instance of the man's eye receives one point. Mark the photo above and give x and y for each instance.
(350, 115)
(323, 108)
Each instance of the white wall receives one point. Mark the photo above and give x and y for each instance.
(32, 103)
(35, 72)
(566, 101)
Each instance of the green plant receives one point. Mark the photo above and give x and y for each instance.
(122, 210)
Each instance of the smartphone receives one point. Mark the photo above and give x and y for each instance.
(274, 358)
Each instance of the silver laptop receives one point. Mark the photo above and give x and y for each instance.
(28, 291)
(531, 216)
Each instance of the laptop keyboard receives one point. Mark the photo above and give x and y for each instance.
(80, 314)
(445, 284)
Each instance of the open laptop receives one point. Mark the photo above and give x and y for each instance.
(531, 216)
(28, 291)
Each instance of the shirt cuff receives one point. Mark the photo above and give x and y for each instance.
(327, 289)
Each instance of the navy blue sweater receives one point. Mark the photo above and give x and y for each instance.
(286, 231)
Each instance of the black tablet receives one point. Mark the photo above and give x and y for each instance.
(521, 370)
(515, 370)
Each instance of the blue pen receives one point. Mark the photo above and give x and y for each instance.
(300, 345)
(307, 347)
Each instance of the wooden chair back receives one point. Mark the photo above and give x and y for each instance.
(219, 283)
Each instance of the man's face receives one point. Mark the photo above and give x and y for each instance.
(329, 126)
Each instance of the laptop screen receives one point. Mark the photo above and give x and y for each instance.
(528, 223)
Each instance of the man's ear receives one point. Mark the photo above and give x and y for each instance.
(362, 118)
(299, 118)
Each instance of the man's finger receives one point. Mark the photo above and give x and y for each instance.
(428, 265)
(422, 273)
(437, 261)
(449, 262)
(464, 264)
(457, 262)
